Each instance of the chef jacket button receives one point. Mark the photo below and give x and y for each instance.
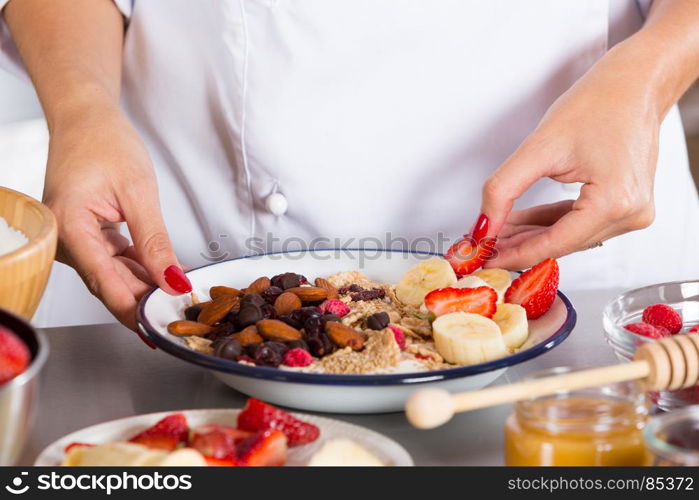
(276, 204)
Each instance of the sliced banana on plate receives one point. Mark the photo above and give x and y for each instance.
(512, 320)
(499, 279)
(471, 281)
(422, 278)
(466, 339)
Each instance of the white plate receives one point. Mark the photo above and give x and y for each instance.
(323, 392)
(385, 449)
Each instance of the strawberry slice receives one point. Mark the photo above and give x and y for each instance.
(14, 355)
(535, 289)
(258, 416)
(220, 462)
(76, 445)
(694, 329)
(467, 255)
(480, 300)
(167, 434)
(217, 441)
(264, 448)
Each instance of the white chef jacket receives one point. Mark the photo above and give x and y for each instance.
(377, 121)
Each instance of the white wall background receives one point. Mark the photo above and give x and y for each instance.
(17, 99)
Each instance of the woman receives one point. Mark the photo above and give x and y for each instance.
(266, 120)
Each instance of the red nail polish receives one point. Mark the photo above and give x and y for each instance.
(480, 228)
(176, 278)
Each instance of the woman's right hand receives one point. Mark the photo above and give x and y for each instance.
(99, 175)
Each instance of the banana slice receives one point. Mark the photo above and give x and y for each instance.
(512, 320)
(499, 279)
(466, 339)
(422, 278)
(130, 454)
(343, 453)
(471, 281)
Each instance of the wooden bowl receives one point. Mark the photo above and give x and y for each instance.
(24, 272)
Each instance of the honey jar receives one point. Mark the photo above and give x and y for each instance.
(596, 426)
(673, 438)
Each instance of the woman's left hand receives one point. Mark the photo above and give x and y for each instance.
(603, 133)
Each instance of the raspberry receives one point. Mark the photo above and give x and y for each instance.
(297, 357)
(663, 315)
(334, 306)
(647, 330)
(694, 329)
(399, 335)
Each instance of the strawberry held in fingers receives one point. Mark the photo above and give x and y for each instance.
(468, 255)
(258, 415)
(481, 300)
(167, 434)
(535, 289)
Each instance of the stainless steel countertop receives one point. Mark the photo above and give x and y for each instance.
(103, 372)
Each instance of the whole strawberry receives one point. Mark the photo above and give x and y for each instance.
(662, 315)
(259, 416)
(14, 355)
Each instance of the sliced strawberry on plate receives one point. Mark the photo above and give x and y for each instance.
(77, 445)
(480, 300)
(258, 415)
(14, 355)
(467, 255)
(217, 441)
(167, 434)
(264, 448)
(221, 462)
(694, 329)
(535, 289)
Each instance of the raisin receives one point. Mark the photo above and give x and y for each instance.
(271, 294)
(264, 355)
(303, 313)
(268, 312)
(192, 312)
(350, 288)
(320, 345)
(374, 293)
(279, 347)
(221, 330)
(290, 321)
(378, 321)
(313, 326)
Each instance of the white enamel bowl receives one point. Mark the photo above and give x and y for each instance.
(385, 449)
(333, 393)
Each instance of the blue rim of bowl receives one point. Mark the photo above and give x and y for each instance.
(275, 374)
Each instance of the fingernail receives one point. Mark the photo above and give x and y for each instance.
(176, 278)
(480, 228)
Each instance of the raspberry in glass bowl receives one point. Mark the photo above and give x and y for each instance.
(647, 314)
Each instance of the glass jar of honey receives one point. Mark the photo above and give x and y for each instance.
(673, 438)
(596, 426)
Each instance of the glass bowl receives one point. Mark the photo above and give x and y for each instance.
(628, 308)
(672, 437)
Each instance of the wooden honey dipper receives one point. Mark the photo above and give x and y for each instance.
(669, 364)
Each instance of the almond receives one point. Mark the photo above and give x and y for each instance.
(344, 336)
(214, 311)
(325, 284)
(247, 336)
(273, 329)
(286, 303)
(258, 286)
(217, 291)
(309, 293)
(184, 328)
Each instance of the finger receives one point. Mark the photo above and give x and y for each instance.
(87, 253)
(134, 275)
(115, 242)
(541, 215)
(152, 244)
(510, 230)
(574, 231)
(520, 238)
(509, 182)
